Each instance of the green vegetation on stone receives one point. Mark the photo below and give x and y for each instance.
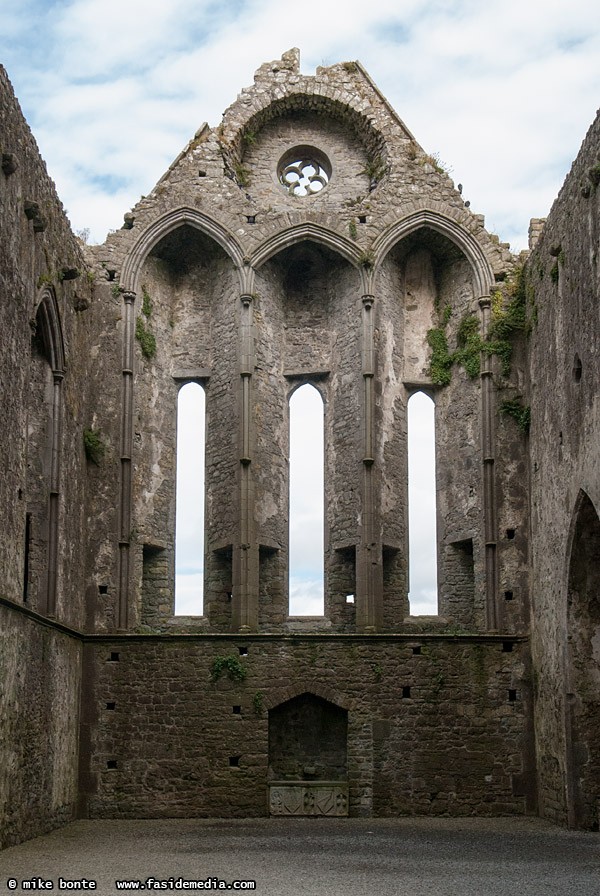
(93, 446)
(231, 665)
(146, 303)
(518, 411)
(145, 338)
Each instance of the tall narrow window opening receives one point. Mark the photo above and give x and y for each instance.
(306, 510)
(189, 523)
(422, 529)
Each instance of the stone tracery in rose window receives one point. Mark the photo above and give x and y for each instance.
(304, 171)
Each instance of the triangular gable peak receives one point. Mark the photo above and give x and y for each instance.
(343, 92)
(326, 150)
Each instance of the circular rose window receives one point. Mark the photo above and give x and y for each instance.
(304, 170)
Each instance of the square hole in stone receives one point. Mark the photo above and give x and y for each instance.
(243, 651)
(362, 219)
(508, 595)
(102, 589)
(234, 761)
(510, 533)
(507, 646)
(112, 763)
(406, 690)
(111, 704)
(417, 650)
(512, 695)
(114, 657)
(237, 710)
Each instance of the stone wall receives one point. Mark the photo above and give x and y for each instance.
(224, 277)
(564, 284)
(40, 669)
(43, 487)
(435, 725)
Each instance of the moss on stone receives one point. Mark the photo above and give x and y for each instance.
(145, 338)
(93, 446)
(441, 360)
(518, 411)
(146, 303)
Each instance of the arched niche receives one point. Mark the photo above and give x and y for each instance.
(308, 331)
(308, 740)
(297, 118)
(426, 286)
(583, 652)
(326, 136)
(190, 281)
(308, 764)
(44, 411)
(188, 298)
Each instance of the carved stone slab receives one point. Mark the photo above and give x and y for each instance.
(308, 798)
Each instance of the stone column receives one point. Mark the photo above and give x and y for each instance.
(125, 501)
(54, 493)
(488, 442)
(369, 567)
(244, 611)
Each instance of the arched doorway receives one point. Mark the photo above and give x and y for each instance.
(583, 651)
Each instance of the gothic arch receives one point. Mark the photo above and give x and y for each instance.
(171, 221)
(583, 665)
(263, 108)
(47, 319)
(306, 686)
(308, 231)
(308, 736)
(471, 248)
(44, 454)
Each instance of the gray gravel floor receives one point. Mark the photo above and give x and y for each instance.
(328, 857)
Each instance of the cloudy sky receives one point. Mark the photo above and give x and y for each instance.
(113, 89)
(502, 91)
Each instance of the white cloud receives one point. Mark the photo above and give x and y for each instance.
(504, 92)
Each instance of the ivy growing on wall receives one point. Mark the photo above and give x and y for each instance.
(143, 333)
(231, 665)
(518, 411)
(507, 321)
(93, 446)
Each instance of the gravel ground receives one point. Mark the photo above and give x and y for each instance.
(328, 857)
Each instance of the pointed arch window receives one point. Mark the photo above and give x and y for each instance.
(190, 491)
(41, 523)
(306, 503)
(422, 511)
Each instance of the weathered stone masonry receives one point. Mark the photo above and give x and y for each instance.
(379, 285)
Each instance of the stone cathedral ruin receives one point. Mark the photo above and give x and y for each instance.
(308, 239)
